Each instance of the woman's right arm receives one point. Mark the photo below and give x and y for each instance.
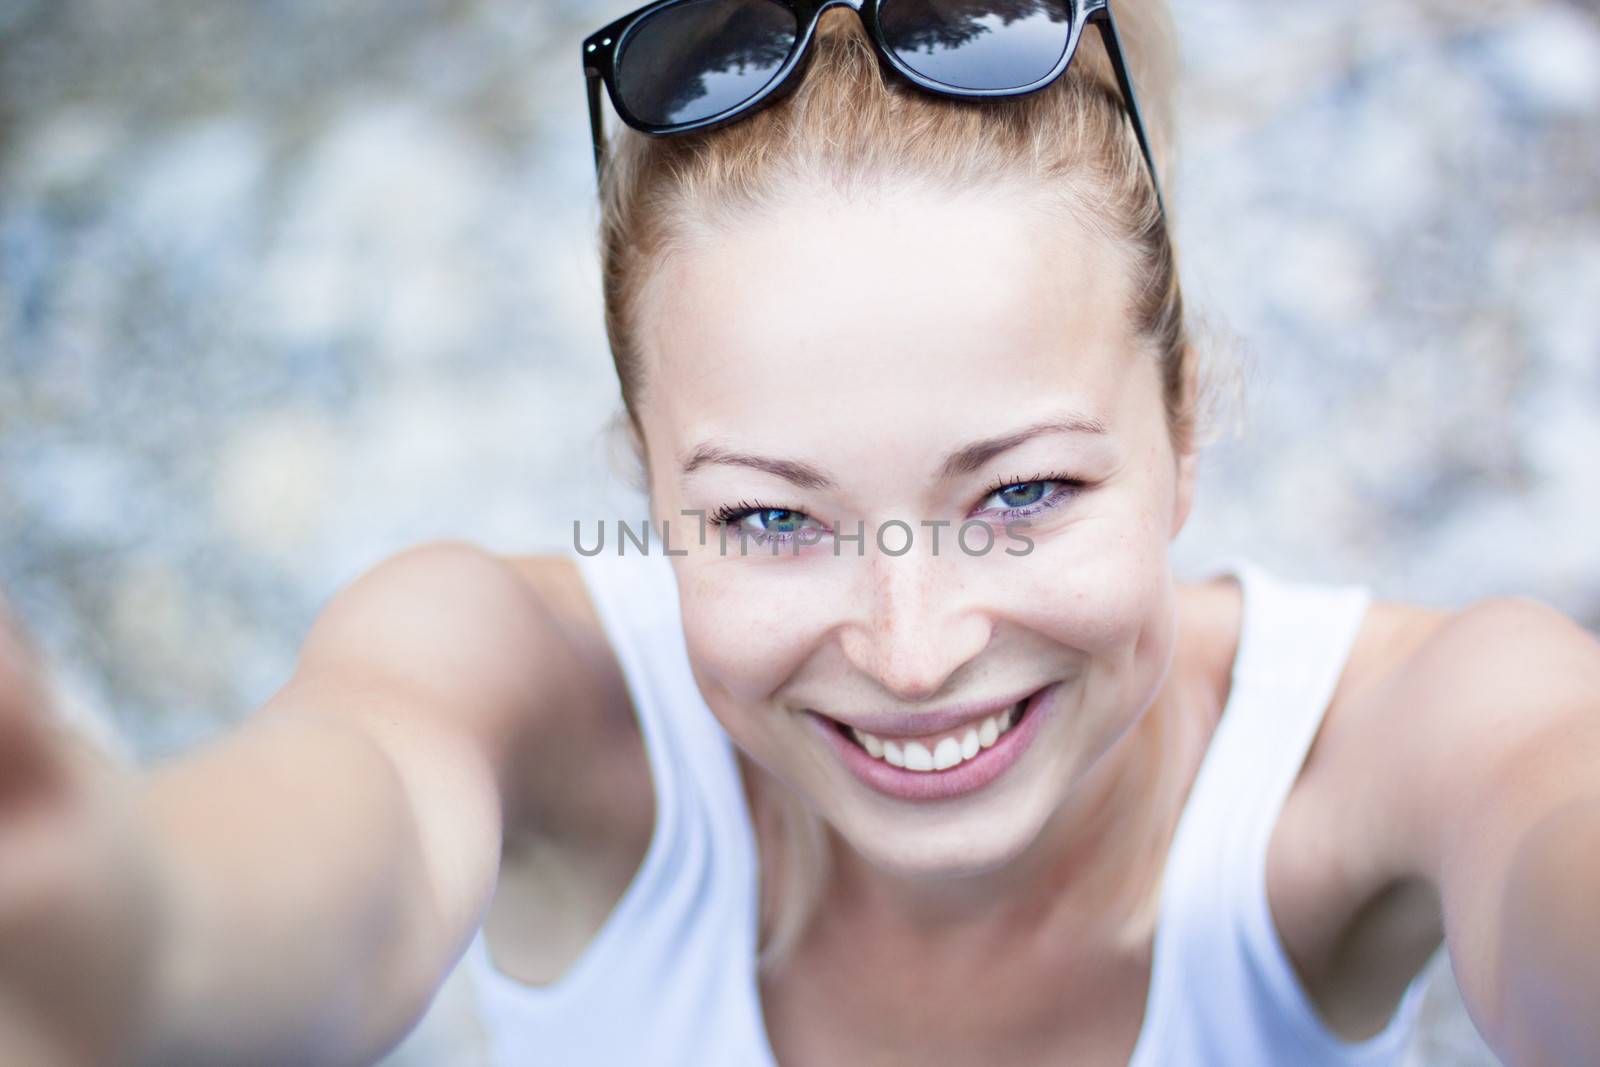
(296, 890)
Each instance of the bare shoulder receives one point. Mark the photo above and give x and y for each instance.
(1437, 710)
(1505, 641)
(506, 651)
(451, 624)
(1442, 695)
(1507, 688)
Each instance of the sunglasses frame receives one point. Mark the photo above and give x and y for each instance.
(603, 48)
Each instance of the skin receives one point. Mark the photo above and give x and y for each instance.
(457, 728)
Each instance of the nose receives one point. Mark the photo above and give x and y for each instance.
(915, 627)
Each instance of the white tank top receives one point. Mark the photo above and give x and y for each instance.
(671, 976)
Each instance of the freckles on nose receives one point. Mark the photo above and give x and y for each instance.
(901, 595)
(909, 643)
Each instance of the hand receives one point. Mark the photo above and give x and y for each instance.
(77, 901)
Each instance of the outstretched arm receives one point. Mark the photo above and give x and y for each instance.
(295, 891)
(1500, 745)
(312, 900)
(1550, 940)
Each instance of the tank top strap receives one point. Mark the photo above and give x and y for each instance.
(636, 597)
(1295, 642)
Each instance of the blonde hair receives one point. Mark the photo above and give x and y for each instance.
(846, 126)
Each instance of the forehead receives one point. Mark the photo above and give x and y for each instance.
(907, 308)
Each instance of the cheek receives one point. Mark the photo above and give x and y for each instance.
(1104, 581)
(1106, 593)
(1100, 589)
(746, 630)
(1134, 605)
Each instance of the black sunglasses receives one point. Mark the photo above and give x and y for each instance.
(676, 66)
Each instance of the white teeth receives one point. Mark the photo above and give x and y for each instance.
(949, 752)
(988, 732)
(969, 745)
(873, 746)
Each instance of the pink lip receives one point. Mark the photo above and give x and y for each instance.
(963, 778)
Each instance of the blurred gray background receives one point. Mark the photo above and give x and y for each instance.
(288, 286)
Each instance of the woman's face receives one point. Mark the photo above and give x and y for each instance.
(825, 368)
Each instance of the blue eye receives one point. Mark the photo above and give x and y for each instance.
(778, 520)
(764, 525)
(1020, 496)
(1031, 496)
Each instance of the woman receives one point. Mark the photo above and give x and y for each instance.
(912, 749)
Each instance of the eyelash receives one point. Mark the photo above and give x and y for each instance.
(732, 514)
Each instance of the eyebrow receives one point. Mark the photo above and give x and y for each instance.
(964, 460)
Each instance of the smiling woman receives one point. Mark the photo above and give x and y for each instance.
(1003, 807)
(885, 281)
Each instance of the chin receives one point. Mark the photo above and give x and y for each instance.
(936, 842)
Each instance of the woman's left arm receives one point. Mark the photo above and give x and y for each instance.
(1501, 763)
(1550, 940)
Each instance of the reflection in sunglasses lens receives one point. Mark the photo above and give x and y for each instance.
(692, 61)
(978, 44)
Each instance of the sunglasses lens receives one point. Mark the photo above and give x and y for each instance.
(690, 61)
(978, 44)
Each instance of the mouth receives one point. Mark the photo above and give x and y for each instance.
(958, 759)
(933, 753)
